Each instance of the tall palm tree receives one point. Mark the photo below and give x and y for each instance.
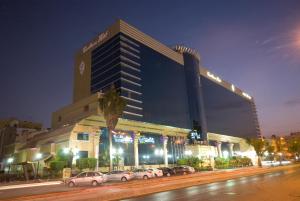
(258, 145)
(112, 105)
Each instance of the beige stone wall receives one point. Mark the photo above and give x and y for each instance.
(75, 112)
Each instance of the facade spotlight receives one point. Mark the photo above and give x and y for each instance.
(225, 154)
(120, 151)
(10, 160)
(38, 156)
(66, 150)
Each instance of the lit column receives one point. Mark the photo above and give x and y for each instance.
(96, 149)
(219, 148)
(230, 146)
(165, 142)
(136, 136)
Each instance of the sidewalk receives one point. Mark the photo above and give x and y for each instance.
(33, 181)
(136, 188)
(16, 185)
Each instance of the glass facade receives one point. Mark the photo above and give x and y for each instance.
(175, 148)
(226, 112)
(150, 147)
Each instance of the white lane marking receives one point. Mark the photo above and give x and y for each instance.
(29, 185)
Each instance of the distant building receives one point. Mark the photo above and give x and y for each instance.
(13, 134)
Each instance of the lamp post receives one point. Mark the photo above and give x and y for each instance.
(38, 157)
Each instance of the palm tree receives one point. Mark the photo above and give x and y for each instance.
(258, 145)
(112, 105)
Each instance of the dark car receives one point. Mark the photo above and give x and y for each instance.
(167, 171)
(183, 170)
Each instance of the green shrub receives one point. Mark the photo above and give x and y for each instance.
(232, 162)
(92, 163)
(57, 166)
(83, 163)
(190, 161)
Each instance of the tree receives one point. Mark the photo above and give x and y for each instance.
(258, 145)
(61, 155)
(112, 105)
(294, 146)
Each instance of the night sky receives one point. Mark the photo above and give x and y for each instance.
(252, 44)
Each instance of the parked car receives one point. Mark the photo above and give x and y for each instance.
(183, 170)
(119, 176)
(156, 172)
(167, 171)
(142, 173)
(86, 178)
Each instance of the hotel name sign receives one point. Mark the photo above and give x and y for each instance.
(95, 42)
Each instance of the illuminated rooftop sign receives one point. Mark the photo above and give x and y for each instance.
(212, 76)
(98, 40)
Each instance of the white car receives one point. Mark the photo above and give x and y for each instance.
(119, 176)
(191, 169)
(142, 174)
(86, 178)
(156, 172)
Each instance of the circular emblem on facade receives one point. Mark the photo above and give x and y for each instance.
(81, 67)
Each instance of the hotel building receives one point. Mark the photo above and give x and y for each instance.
(169, 96)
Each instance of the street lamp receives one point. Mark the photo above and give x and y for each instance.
(38, 157)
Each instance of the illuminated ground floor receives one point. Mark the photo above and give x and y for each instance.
(135, 144)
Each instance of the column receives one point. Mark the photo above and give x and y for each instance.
(96, 151)
(165, 141)
(219, 148)
(230, 146)
(52, 149)
(136, 137)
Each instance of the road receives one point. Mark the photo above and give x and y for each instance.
(277, 186)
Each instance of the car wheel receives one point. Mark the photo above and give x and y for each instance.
(94, 183)
(155, 175)
(124, 179)
(71, 184)
(145, 177)
(168, 174)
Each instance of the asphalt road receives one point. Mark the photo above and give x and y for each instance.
(276, 186)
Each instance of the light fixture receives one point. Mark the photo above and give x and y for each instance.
(225, 154)
(246, 95)
(66, 150)
(188, 152)
(38, 156)
(232, 87)
(10, 160)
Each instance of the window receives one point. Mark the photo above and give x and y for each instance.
(83, 154)
(83, 136)
(82, 175)
(59, 118)
(91, 174)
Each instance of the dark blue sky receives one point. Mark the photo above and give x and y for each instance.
(253, 44)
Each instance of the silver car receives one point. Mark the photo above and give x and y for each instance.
(86, 178)
(156, 172)
(119, 176)
(142, 174)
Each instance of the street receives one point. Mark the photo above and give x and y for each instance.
(270, 184)
(282, 186)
